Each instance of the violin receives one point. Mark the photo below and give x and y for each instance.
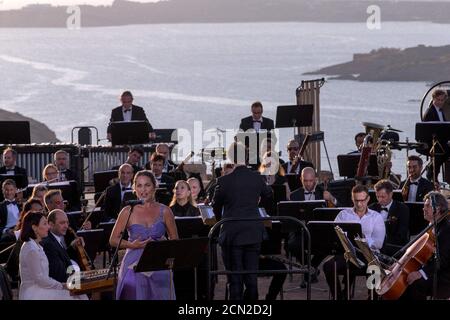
(329, 203)
(84, 261)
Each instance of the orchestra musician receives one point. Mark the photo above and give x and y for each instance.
(197, 190)
(9, 212)
(414, 188)
(50, 173)
(9, 164)
(293, 148)
(61, 160)
(421, 282)
(373, 229)
(36, 281)
(134, 158)
(164, 150)
(395, 215)
(156, 165)
(182, 204)
(238, 194)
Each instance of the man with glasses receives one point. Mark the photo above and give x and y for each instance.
(293, 147)
(373, 229)
(129, 112)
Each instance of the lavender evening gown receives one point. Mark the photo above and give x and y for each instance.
(139, 286)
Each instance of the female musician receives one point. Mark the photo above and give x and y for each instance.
(149, 222)
(182, 204)
(197, 191)
(34, 265)
(421, 281)
(50, 173)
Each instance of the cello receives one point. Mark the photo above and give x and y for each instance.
(418, 252)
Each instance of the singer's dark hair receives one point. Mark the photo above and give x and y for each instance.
(31, 219)
(439, 199)
(145, 173)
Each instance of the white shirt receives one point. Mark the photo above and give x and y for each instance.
(10, 171)
(257, 124)
(385, 213)
(310, 196)
(289, 166)
(372, 225)
(13, 216)
(122, 192)
(412, 190)
(127, 115)
(439, 113)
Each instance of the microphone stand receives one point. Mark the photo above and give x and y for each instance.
(115, 258)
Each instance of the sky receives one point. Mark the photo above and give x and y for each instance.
(17, 4)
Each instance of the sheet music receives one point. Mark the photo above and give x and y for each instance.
(368, 254)
(350, 250)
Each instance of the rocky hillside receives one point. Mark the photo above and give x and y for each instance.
(39, 131)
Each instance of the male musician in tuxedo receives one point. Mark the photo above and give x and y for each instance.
(395, 215)
(156, 166)
(9, 212)
(310, 190)
(293, 148)
(435, 112)
(416, 186)
(9, 164)
(163, 150)
(61, 161)
(114, 195)
(373, 229)
(60, 252)
(421, 282)
(129, 112)
(236, 196)
(359, 140)
(134, 157)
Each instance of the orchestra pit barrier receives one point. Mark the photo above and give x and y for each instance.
(212, 243)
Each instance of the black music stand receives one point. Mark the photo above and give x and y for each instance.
(102, 179)
(76, 218)
(326, 214)
(321, 230)
(173, 254)
(294, 116)
(191, 227)
(416, 221)
(104, 241)
(341, 190)
(92, 240)
(15, 132)
(129, 132)
(302, 210)
(348, 164)
(166, 135)
(69, 189)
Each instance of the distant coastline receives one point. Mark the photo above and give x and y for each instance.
(225, 11)
(40, 133)
(421, 63)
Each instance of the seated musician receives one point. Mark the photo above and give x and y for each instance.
(359, 140)
(9, 164)
(50, 173)
(197, 190)
(182, 204)
(115, 194)
(60, 252)
(39, 192)
(421, 282)
(414, 188)
(9, 212)
(61, 160)
(395, 215)
(163, 149)
(134, 158)
(373, 229)
(273, 172)
(293, 148)
(36, 284)
(156, 165)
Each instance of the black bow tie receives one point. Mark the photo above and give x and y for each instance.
(384, 209)
(415, 183)
(257, 121)
(127, 110)
(11, 202)
(125, 188)
(308, 192)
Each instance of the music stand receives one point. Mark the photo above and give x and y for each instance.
(165, 135)
(102, 179)
(191, 227)
(294, 116)
(321, 230)
(69, 190)
(104, 242)
(15, 132)
(326, 214)
(348, 164)
(173, 254)
(129, 132)
(302, 210)
(341, 190)
(91, 240)
(416, 221)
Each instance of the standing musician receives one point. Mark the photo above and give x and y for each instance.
(395, 215)
(414, 188)
(9, 163)
(373, 229)
(293, 148)
(421, 281)
(238, 194)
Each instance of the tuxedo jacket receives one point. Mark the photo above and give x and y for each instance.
(247, 123)
(137, 114)
(17, 171)
(302, 164)
(432, 115)
(238, 194)
(299, 194)
(4, 215)
(397, 225)
(58, 258)
(113, 202)
(423, 188)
